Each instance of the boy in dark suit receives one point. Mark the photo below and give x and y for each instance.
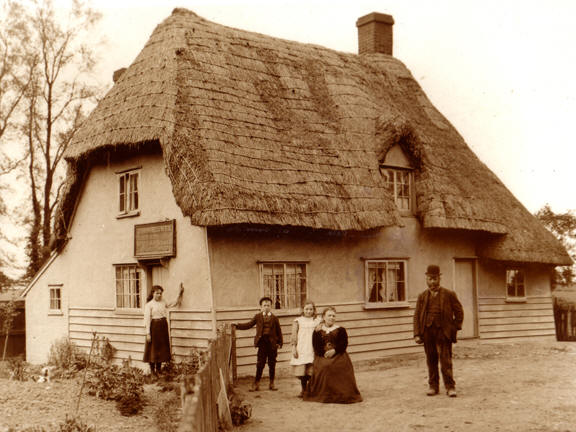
(268, 339)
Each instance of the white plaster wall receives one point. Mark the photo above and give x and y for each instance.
(336, 265)
(492, 279)
(98, 240)
(43, 327)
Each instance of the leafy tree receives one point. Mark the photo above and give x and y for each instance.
(563, 226)
(59, 63)
(8, 312)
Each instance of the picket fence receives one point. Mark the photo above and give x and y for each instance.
(204, 401)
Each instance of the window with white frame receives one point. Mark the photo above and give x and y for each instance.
(399, 183)
(284, 283)
(128, 286)
(515, 283)
(385, 281)
(55, 297)
(128, 198)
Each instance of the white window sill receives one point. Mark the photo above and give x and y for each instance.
(55, 313)
(389, 305)
(516, 299)
(128, 214)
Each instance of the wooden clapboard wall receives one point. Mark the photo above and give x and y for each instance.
(188, 328)
(499, 319)
(371, 333)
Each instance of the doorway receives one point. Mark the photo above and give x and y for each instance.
(465, 288)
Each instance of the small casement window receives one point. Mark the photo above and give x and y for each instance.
(399, 184)
(284, 283)
(385, 282)
(515, 283)
(128, 197)
(397, 172)
(55, 298)
(128, 286)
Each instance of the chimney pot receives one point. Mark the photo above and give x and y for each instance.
(375, 33)
(118, 74)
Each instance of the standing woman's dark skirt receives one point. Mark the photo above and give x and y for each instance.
(158, 349)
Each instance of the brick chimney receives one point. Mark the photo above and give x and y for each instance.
(375, 33)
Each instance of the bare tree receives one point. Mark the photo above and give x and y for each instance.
(54, 100)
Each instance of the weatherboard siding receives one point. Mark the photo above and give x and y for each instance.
(189, 329)
(499, 319)
(371, 333)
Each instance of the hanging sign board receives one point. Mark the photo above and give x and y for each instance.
(155, 240)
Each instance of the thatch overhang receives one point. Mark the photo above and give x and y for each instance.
(259, 130)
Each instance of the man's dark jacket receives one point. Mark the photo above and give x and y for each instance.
(275, 335)
(451, 313)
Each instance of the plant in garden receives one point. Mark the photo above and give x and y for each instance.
(67, 358)
(17, 368)
(121, 384)
(189, 366)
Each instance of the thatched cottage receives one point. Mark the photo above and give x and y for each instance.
(245, 165)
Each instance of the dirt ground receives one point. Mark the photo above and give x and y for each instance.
(527, 387)
(26, 404)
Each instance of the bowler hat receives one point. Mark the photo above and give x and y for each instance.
(433, 270)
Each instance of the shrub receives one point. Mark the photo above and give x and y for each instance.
(121, 384)
(17, 368)
(190, 366)
(105, 349)
(67, 358)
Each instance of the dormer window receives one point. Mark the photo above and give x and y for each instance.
(128, 197)
(396, 171)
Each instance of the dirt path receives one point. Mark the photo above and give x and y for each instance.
(501, 387)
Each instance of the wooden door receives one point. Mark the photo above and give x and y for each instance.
(465, 288)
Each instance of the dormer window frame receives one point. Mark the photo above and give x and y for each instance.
(398, 174)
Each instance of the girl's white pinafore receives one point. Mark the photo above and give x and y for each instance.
(306, 326)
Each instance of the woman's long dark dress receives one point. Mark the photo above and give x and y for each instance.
(333, 378)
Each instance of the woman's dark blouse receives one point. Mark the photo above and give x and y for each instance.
(337, 338)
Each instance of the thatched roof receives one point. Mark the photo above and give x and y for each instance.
(259, 130)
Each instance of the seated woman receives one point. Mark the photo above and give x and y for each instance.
(333, 378)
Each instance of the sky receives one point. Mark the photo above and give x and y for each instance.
(502, 72)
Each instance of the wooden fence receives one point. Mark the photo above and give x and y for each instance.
(205, 403)
(565, 319)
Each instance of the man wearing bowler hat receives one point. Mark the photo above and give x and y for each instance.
(437, 318)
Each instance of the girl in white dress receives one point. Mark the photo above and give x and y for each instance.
(302, 350)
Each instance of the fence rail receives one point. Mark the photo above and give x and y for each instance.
(565, 319)
(204, 403)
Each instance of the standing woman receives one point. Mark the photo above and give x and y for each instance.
(302, 350)
(333, 378)
(157, 348)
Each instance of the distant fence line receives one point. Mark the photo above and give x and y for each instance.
(205, 404)
(565, 320)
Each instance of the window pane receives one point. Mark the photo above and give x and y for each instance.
(377, 290)
(128, 286)
(515, 283)
(122, 194)
(386, 281)
(285, 284)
